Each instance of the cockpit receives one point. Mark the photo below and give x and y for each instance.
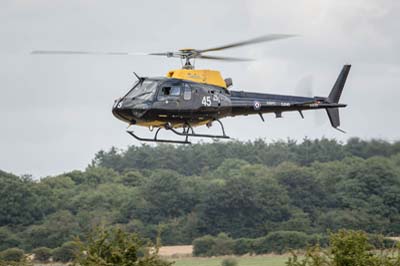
(146, 90)
(143, 90)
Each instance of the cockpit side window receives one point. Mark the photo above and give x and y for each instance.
(169, 90)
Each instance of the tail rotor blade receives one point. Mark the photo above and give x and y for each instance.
(305, 86)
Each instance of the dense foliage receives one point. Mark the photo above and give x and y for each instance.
(245, 190)
(274, 242)
(347, 248)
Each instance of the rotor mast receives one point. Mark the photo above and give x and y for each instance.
(187, 64)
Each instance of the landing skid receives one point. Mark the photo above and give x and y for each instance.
(187, 132)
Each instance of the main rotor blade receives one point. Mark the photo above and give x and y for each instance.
(265, 38)
(167, 54)
(224, 58)
(62, 52)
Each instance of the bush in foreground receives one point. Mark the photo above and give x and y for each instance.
(116, 247)
(347, 248)
(229, 262)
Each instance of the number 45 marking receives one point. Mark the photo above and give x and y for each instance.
(206, 101)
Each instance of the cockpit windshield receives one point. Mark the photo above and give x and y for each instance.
(144, 90)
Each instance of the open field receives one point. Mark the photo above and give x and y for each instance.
(268, 260)
(182, 256)
(50, 264)
(173, 251)
(271, 260)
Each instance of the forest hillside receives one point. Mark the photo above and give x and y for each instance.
(242, 189)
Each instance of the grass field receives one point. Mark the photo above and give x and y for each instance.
(242, 261)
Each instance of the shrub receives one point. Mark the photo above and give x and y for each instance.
(213, 246)
(116, 247)
(202, 246)
(42, 254)
(243, 246)
(347, 247)
(280, 242)
(350, 248)
(223, 245)
(229, 262)
(66, 253)
(12, 254)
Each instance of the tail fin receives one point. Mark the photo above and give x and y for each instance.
(334, 96)
(337, 89)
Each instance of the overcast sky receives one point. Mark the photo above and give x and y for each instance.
(55, 111)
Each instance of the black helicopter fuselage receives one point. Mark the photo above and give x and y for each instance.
(156, 102)
(170, 103)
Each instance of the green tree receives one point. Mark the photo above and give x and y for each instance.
(241, 207)
(19, 203)
(116, 247)
(304, 190)
(167, 195)
(55, 230)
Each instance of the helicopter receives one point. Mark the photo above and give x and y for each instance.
(187, 98)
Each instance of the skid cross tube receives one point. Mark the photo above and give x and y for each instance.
(193, 134)
(158, 140)
(185, 133)
(199, 135)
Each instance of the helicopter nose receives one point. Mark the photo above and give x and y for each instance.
(118, 103)
(122, 113)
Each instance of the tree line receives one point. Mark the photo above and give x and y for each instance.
(241, 189)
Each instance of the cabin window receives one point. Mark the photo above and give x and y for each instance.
(187, 93)
(175, 91)
(169, 91)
